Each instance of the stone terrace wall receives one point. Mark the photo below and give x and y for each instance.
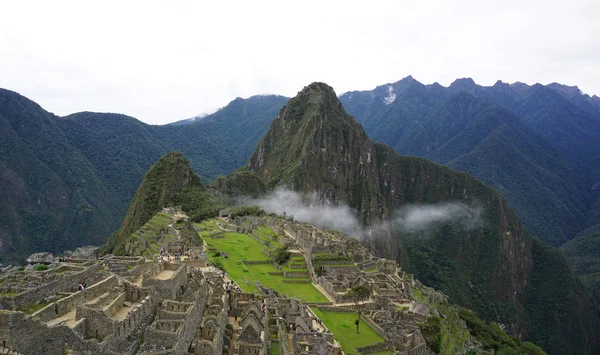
(374, 325)
(66, 283)
(27, 335)
(66, 304)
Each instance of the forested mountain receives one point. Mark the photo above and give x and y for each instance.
(67, 181)
(51, 196)
(497, 268)
(531, 143)
(169, 182)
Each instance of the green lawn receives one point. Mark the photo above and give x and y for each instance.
(242, 247)
(275, 348)
(342, 326)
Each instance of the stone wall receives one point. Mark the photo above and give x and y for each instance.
(65, 283)
(373, 348)
(375, 326)
(172, 287)
(296, 274)
(27, 335)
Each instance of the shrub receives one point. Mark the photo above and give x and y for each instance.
(219, 265)
(282, 255)
(40, 267)
(247, 211)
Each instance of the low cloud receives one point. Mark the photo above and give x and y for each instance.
(307, 208)
(419, 218)
(408, 219)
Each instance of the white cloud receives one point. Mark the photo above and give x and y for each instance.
(162, 62)
(310, 209)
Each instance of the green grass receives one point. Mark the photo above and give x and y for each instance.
(8, 294)
(35, 307)
(342, 326)
(242, 247)
(275, 348)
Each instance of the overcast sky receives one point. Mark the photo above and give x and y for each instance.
(162, 61)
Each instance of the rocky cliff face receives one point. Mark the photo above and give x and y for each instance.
(314, 146)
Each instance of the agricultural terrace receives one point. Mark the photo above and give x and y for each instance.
(242, 248)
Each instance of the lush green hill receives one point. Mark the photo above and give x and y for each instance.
(497, 268)
(51, 197)
(170, 182)
(583, 254)
(121, 149)
(67, 181)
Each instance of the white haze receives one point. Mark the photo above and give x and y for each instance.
(309, 209)
(410, 218)
(415, 218)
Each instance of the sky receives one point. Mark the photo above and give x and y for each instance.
(163, 61)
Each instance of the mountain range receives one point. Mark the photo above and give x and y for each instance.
(67, 181)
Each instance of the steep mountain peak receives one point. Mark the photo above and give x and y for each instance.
(565, 90)
(169, 182)
(463, 83)
(317, 93)
(519, 86)
(501, 84)
(314, 100)
(309, 128)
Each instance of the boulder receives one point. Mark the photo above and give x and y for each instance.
(40, 258)
(87, 253)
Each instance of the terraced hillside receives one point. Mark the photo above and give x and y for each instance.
(248, 261)
(152, 236)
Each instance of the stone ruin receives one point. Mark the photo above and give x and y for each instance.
(136, 305)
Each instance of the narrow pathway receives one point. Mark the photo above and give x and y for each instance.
(234, 336)
(325, 293)
(176, 231)
(291, 343)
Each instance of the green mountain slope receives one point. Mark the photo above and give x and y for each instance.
(67, 181)
(483, 131)
(583, 254)
(169, 182)
(51, 197)
(314, 146)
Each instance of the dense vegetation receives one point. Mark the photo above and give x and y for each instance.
(493, 338)
(170, 182)
(51, 197)
(520, 140)
(66, 182)
(583, 254)
(240, 183)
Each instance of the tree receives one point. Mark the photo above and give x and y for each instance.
(282, 255)
(358, 295)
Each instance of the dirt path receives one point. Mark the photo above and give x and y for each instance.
(291, 343)
(234, 335)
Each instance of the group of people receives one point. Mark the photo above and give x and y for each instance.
(64, 259)
(231, 286)
(164, 253)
